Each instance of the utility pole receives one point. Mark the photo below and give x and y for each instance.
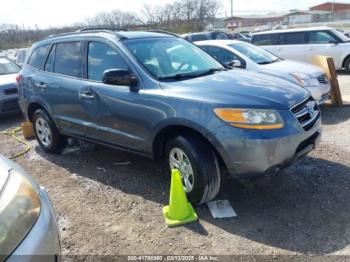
(232, 8)
(333, 7)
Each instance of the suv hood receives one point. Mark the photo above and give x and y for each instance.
(239, 88)
(285, 67)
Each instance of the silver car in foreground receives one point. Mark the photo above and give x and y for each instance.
(28, 228)
(254, 58)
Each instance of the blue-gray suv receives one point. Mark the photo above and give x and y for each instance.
(160, 96)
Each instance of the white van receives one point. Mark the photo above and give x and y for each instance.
(303, 43)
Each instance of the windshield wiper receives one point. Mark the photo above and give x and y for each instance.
(191, 75)
(269, 62)
(177, 76)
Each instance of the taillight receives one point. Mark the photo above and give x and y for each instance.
(18, 78)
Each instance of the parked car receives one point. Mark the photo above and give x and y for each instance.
(8, 86)
(28, 228)
(254, 58)
(21, 55)
(193, 37)
(240, 37)
(302, 44)
(161, 96)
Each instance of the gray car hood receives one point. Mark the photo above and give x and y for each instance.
(285, 67)
(239, 88)
(8, 79)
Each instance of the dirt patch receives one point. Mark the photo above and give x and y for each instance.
(110, 202)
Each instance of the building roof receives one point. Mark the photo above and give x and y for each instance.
(326, 3)
(271, 16)
(315, 12)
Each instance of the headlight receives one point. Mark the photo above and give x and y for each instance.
(19, 210)
(2, 92)
(250, 118)
(304, 80)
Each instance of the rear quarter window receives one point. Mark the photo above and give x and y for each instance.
(266, 39)
(38, 57)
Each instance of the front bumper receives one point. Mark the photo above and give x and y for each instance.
(321, 93)
(42, 243)
(9, 104)
(259, 153)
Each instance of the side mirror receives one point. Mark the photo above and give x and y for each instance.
(119, 77)
(235, 63)
(333, 42)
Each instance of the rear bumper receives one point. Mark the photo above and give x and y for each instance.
(42, 242)
(9, 104)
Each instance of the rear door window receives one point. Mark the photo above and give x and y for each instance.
(266, 39)
(221, 36)
(199, 37)
(38, 57)
(321, 37)
(68, 59)
(297, 38)
(102, 57)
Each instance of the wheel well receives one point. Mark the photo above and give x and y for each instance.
(346, 58)
(172, 131)
(32, 108)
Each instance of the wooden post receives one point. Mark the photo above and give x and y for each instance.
(327, 63)
(335, 91)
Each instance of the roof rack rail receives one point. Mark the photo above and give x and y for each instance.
(86, 32)
(163, 32)
(95, 28)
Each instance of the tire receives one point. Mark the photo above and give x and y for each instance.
(46, 132)
(205, 179)
(347, 65)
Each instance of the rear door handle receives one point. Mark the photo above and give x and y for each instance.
(41, 85)
(87, 94)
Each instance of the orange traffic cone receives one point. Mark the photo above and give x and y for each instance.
(179, 211)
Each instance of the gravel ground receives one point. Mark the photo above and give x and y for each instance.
(110, 202)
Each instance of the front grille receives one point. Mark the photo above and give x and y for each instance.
(307, 113)
(11, 91)
(322, 79)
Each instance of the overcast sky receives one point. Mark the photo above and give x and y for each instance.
(45, 13)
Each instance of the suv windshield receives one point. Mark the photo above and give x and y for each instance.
(255, 53)
(172, 58)
(8, 67)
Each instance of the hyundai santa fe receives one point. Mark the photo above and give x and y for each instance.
(160, 96)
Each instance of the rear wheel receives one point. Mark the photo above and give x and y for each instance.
(198, 165)
(46, 132)
(347, 65)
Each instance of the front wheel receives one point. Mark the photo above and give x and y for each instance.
(198, 165)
